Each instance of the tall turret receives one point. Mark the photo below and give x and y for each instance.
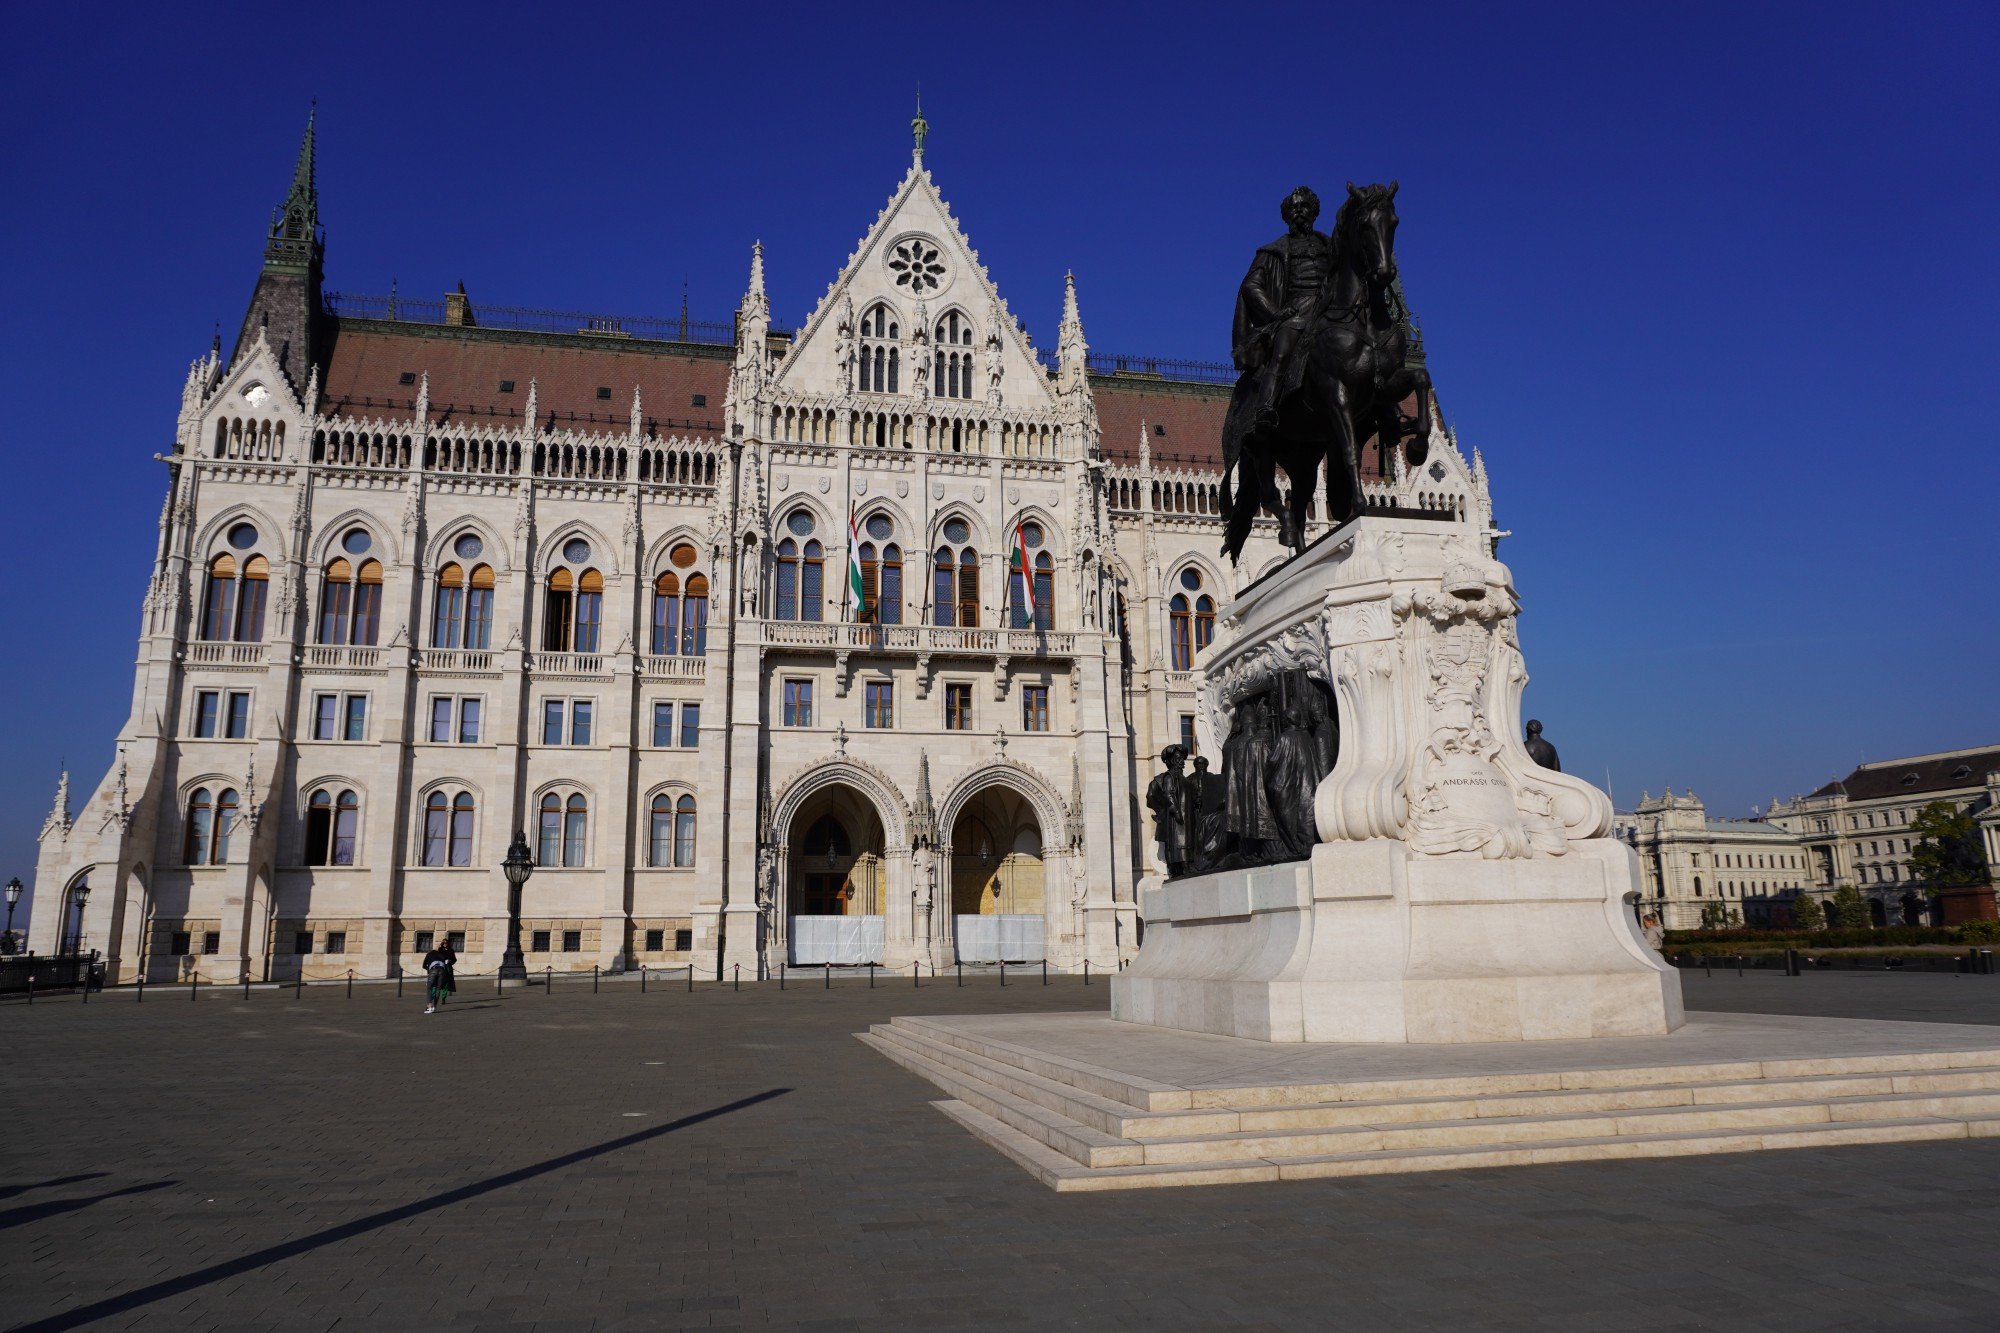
(286, 302)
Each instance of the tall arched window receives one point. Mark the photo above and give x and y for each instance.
(881, 573)
(878, 356)
(563, 829)
(684, 832)
(448, 829)
(573, 607)
(479, 607)
(1191, 616)
(801, 571)
(209, 826)
(333, 824)
(200, 822)
(448, 620)
(680, 611)
(672, 831)
(233, 607)
(955, 578)
(350, 603)
(1044, 574)
(952, 375)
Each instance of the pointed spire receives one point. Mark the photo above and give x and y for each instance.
(532, 411)
(424, 401)
(59, 818)
(920, 129)
(638, 416)
(923, 815)
(757, 269)
(294, 241)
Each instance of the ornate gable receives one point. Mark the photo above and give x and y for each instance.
(916, 262)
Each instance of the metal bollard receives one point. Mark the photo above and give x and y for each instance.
(399, 986)
(1791, 962)
(642, 978)
(961, 971)
(690, 978)
(1003, 971)
(1739, 964)
(593, 978)
(871, 976)
(194, 979)
(496, 981)
(246, 986)
(829, 977)
(781, 976)
(737, 981)
(299, 990)
(350, 983)
(549, 979)
(917, 973)
(1045, 971)
(86, 985)
(1086, 971)
(142, 986)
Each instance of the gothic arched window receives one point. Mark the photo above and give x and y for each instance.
(233, 607)
(680, 609)
(1044, 573)
(563, 830)
(350, 603)
(1191, 616)
(448, 829)
(879, 356)
(801, 570)
(332, 826)
(209, 826)
(573, 606)
(955, 578)
(672, 831)
(881, 573)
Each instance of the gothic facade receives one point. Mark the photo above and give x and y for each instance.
(851, 642)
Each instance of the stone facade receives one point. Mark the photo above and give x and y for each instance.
(425, 578)
(1699, 870)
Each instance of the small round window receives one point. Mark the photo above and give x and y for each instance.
(682, 555)
(1191, 579)
(243, 536)
(576, 550)
(468, 547)
(955, 530)
(880, 528)
(357, 542)
(1031, 534)
(800, 523)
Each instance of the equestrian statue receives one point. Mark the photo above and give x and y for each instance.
(1321, 340)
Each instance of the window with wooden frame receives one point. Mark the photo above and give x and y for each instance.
(233, 605)
(955, 578)
(333, 825)
(448, 828)
(801, 583)
(350, 603)
(680, 607)
(881, 573)
(563, 830)
(879, 705)
(1034, 708)
(958, 707)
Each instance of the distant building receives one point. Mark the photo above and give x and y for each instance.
(1856, 830)
(1745, 871)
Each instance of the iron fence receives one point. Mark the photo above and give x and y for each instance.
(526, 319)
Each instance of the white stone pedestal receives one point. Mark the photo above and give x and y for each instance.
(1369, 943)
(1459, 892)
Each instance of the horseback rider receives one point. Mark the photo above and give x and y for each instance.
(1275, 303)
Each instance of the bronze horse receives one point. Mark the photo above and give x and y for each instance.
(1356, 377)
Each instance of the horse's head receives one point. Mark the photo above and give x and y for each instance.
(1365, 231)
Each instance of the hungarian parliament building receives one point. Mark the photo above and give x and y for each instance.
(857, 642)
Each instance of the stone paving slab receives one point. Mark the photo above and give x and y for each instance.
(735, 1159)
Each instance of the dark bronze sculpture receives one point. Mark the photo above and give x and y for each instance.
(1210, 843)
(1171, 802)
(1321, 340)
(1540, 750)
(1294, 773)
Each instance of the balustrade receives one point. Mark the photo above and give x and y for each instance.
(567, 664)
(224, 654)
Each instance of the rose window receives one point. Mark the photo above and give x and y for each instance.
(917, 266)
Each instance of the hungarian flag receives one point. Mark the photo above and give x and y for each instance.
(1026, 569)
(854, 566)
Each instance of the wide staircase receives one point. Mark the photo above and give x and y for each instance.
(1078, 1126)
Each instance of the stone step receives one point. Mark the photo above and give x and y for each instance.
(1156, 1096)
(1086, 1108)
(1076, 1144)
(1063, 1174)
(1525, 1130)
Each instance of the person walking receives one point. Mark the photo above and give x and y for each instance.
(439, 982)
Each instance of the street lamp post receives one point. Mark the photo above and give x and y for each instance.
(82, 895)
(13, 897)
(518, 866)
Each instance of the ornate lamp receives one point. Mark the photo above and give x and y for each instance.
(82, 895)
(13, 897)
(517, 867)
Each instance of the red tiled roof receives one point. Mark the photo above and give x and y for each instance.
(466, 366)
(1191, 414)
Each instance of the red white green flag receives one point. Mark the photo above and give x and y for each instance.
(1026, 569)
(854, 566)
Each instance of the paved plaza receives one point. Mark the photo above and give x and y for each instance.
(583, 1161)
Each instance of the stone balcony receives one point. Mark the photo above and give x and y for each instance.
(914, 640)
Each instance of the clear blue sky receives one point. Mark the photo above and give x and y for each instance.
(1711, 286)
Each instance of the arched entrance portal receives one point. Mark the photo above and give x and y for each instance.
(834, 896)
(997, 890)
